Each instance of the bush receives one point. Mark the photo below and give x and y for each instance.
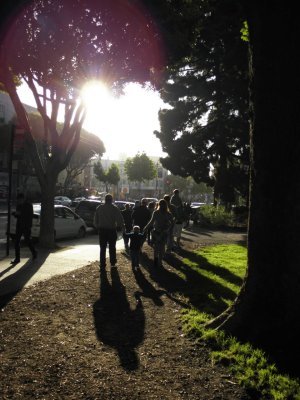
(216, 216)
(219, 217)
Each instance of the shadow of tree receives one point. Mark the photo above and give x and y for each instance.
(201, 292)
(205, 265)
(117, 325)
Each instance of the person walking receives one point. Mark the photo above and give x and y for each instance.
(173, 211)
(177, 202)
(141, 216)
(151, 207)
(161, 221)
(126, 214)
(24, 215)
(136, 239)
(108, 220)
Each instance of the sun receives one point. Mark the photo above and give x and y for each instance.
(94, 94)
(99, 104)
(124, 123)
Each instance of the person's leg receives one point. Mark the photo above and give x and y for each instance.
(28, 242)
(126, 238)
(156, 252)
(170, 240)
(103, 240)
(179, 232)
(17, 246)
(135, 258)
(112, 239)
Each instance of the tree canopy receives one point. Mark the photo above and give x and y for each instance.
(205, 132)
(89, 146)
(58, 46)
(109, 177)
(140, 168)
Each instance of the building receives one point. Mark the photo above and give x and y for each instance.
(126, 189)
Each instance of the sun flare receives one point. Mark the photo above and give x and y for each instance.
(94, 94)
(125, 123)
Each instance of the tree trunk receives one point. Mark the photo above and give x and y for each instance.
(266, 311)
(47, 234)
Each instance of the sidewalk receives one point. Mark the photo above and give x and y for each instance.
(14, 278)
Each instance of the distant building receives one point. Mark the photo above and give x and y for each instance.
(127, 189)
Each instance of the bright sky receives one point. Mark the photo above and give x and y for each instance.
(124, 124)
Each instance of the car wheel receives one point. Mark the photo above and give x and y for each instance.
(81, 233)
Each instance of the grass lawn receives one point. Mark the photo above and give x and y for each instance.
(221, 269)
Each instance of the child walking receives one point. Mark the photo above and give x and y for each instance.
(136, 240)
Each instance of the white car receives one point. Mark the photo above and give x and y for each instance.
(63, 200)
(66, 223)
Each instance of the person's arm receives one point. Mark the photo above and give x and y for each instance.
(119, 220)
(150, 223)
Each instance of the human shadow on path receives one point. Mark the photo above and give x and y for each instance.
(14, 283)
(116, 324)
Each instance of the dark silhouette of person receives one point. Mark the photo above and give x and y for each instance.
(24, 215)
(126, 214)
(151, 207)
(141, 216)
(108, 220)
(136, 242)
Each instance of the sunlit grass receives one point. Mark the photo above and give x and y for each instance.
(221, 270)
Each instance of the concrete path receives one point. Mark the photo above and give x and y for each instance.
(73, 254)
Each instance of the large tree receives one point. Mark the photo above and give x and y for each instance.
(109, 177)
(205, 132)
(57, 46)
(267, 308)
(140, 168)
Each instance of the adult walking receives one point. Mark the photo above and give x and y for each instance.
(173, 211)
(161, 221)
(24, 215)
(127, 217)
(108, 220)
(141, 216)
(177, 202)
(151, 206)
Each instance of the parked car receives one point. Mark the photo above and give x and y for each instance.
(63, 200)
(66, 223)
(121, 204)
(86, 210)
(151, 199)
(76, 201)
(197, 204)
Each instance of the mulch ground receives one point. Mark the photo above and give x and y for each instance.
(111, 334)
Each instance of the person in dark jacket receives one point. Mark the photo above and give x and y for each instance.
(173, 211)
(141, 215)
(108, 221)
(126, 214)
(161, 221)
(24, 215)
(136, 241)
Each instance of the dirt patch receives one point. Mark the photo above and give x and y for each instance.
(110, 334)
